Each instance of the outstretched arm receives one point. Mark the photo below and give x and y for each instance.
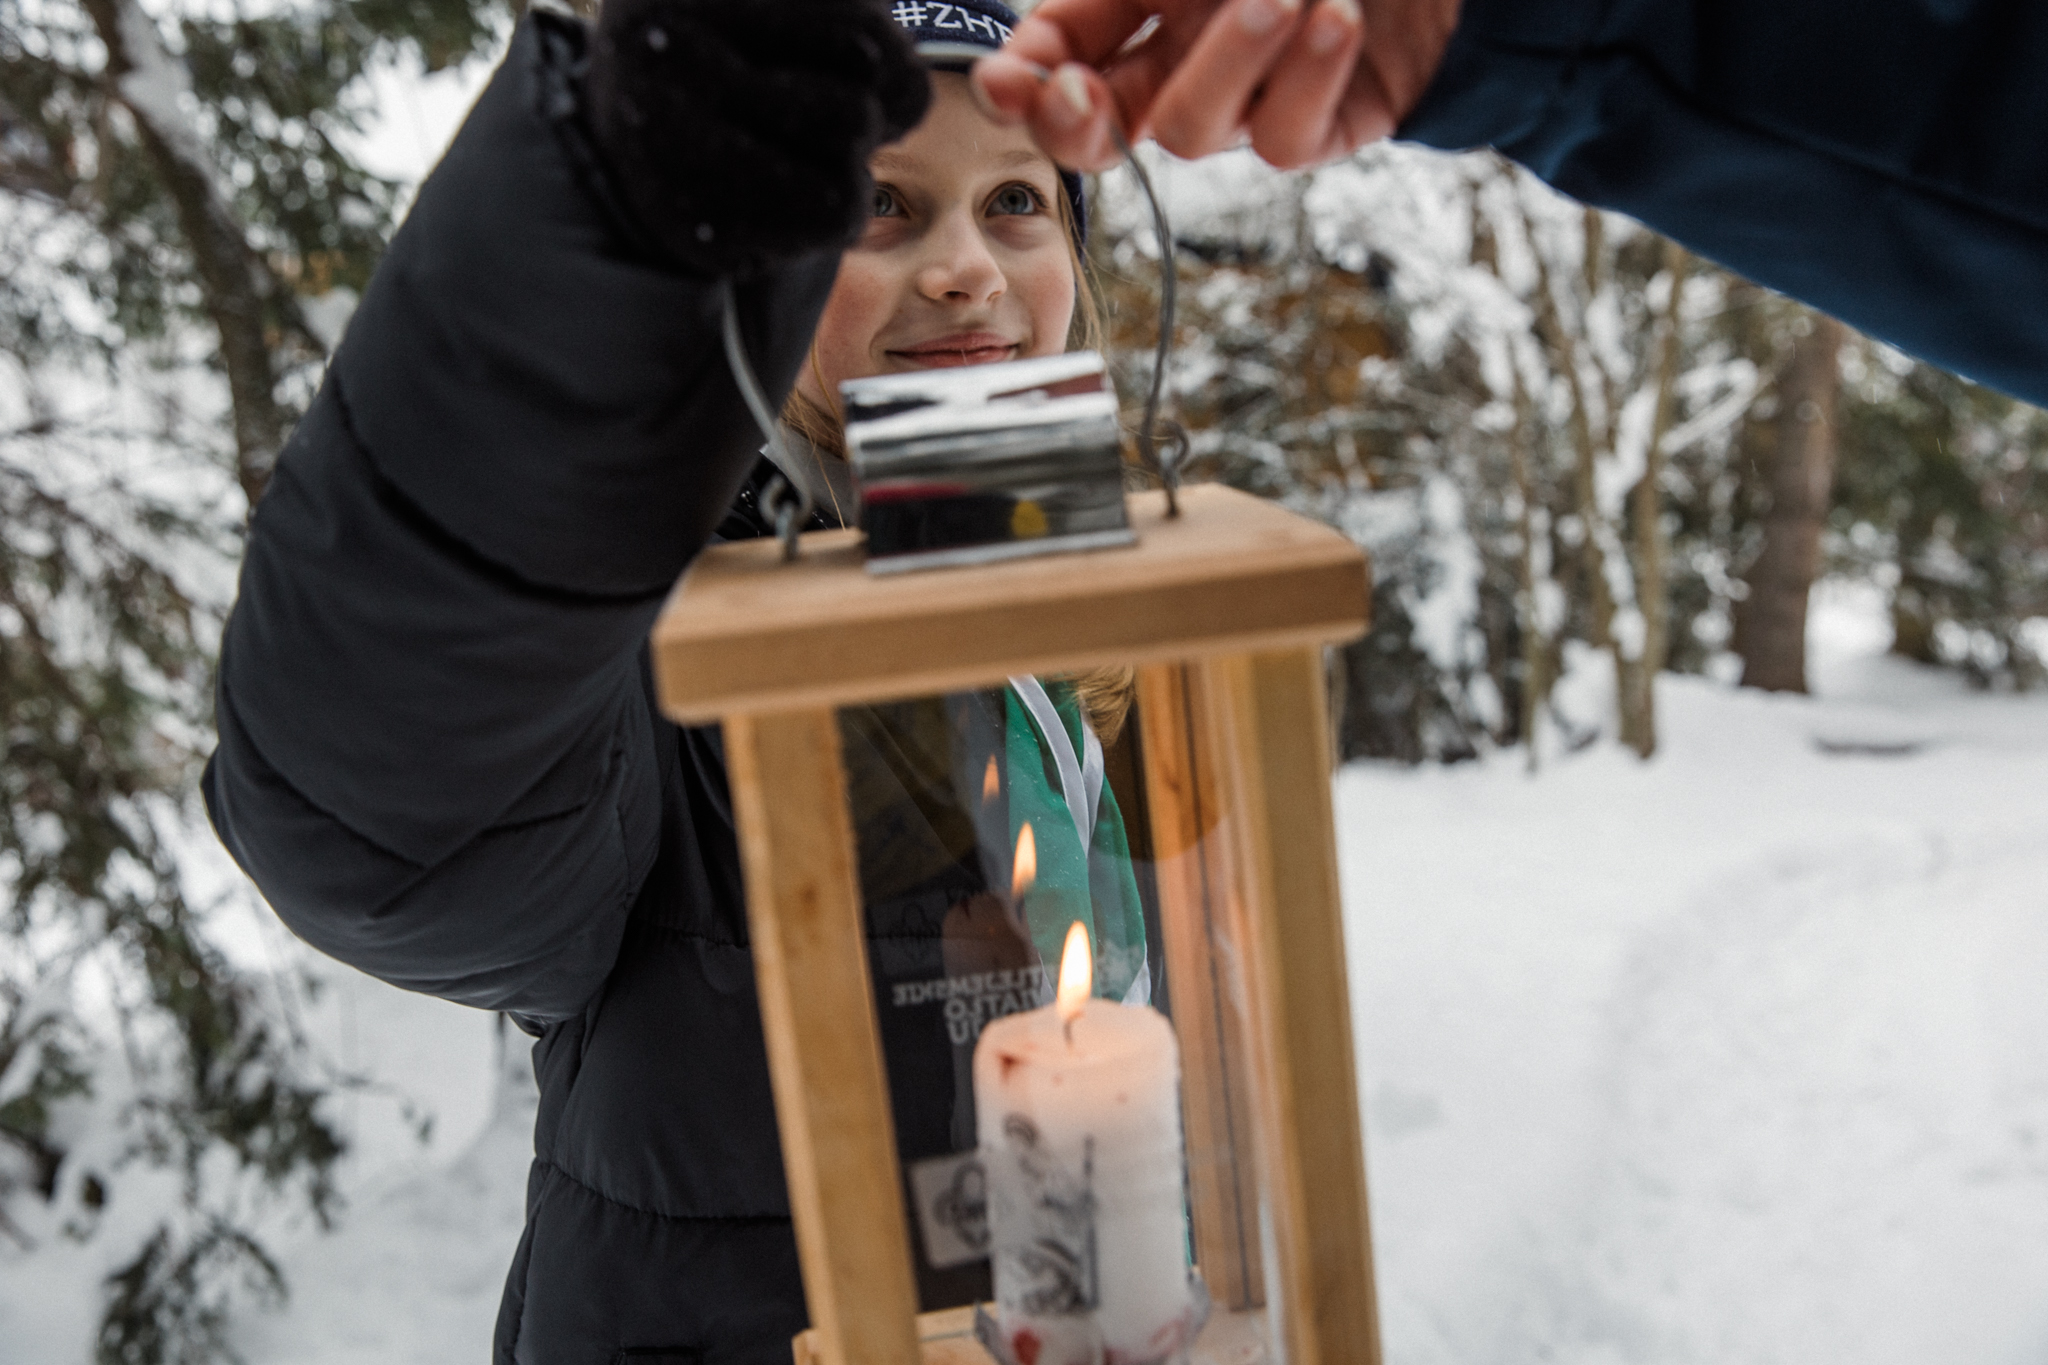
(438, 758)
(1885, 161)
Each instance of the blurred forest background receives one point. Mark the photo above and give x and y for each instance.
(1559, 433)
(1567, 443)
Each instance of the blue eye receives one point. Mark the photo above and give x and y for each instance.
(1016, 199)
(885, 203)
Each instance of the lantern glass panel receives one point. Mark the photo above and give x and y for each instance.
(1045, 1178)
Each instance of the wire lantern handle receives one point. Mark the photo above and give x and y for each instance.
(1165, 465)
(786, 504)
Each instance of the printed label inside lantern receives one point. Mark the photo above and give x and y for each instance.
(971, 1002)
(951, 1193)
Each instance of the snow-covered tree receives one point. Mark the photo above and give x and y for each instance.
(1943, 499)
(182, 217)
(1494, 390)
(1556, 432)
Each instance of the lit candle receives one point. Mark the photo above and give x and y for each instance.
(1079, 1122)
(1024, 869)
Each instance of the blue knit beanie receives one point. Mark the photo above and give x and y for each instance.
(936, 28)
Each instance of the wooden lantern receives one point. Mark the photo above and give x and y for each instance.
(1225, 612)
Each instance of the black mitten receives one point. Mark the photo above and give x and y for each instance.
(740, 130)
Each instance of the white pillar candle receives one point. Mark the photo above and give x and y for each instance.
(1078, 1109)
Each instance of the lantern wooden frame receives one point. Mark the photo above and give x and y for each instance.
(1226, 611)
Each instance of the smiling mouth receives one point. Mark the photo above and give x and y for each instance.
(980, 348)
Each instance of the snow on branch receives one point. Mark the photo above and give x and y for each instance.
(240, 292)
(157, 87)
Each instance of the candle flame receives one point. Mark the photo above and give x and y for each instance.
(991, 784)
(1077, 974)
(1025, 870)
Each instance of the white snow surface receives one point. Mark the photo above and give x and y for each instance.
(416, 1272)
(1735, 1057)
(1740, 1055)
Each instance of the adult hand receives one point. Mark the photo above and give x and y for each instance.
(1305, 82)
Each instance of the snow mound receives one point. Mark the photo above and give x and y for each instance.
(1740, 1055)
(415, 1272)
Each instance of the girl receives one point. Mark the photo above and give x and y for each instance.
(439, 756)
(971, 257)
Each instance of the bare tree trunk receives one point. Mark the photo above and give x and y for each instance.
(1912, 625)
(1586, 454)
(241, 295)
(1595, 252)
(1535, 647)
(1536, 678)
(1653, 549)
(1597, 279)
(1587, 447)
(1772, 626)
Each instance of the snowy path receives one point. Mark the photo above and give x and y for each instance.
(1738, 1057)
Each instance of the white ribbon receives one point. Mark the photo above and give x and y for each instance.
(1080, 787)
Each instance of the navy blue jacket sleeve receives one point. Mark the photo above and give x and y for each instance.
(436, 750)
(1884, 160)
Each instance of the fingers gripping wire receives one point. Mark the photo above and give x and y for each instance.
(788, 506)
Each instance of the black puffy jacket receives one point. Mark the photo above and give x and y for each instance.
(440, 758)
(438, 754)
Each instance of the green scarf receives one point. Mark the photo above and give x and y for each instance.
(1094, 886)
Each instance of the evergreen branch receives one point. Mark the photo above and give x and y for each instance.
(240, 291)
(32, 180)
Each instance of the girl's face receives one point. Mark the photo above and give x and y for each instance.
(965, 262)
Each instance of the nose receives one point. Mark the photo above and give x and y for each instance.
(958, 267)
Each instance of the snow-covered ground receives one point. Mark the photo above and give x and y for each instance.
(1737, 1056)
(415, 1271)
(1740, 1055)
